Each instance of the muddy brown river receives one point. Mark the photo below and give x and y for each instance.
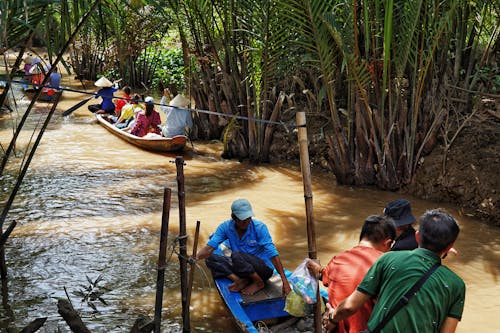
(91, 204)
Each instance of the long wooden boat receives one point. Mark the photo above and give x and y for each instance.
(247, 310)
(158, 144)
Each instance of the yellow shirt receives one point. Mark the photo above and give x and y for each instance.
(128, 110)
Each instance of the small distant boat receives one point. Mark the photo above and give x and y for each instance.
(46, 95)
(247, 310)
(158, 144)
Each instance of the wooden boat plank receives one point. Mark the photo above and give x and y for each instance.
(158, 144)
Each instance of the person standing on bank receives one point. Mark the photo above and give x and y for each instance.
(107, 94)
(253, 252)
(345, 271)
(400, 211)
(436, 305)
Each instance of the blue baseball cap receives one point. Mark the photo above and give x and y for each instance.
(242, 209)
(400, 211)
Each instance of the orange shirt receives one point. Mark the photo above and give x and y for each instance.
(342, 275)
(120, 103)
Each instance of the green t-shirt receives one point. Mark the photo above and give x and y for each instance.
(394, 273)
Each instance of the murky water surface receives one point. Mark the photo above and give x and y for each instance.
(91, 206)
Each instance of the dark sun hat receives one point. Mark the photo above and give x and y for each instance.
(400, 211)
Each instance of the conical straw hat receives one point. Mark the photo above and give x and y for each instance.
(179, 101)
(103, 82)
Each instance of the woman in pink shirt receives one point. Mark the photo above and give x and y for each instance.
(147, 121)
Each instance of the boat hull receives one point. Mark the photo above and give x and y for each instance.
(157, 144)
(45, 95)
(246, 310)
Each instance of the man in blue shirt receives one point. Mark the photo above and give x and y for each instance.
(253, 252)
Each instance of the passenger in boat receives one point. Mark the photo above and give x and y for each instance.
(148, 120)
(132, 121)
(55, 79)
(253, 253)
(179, 121)
(106, 93)
(400, 211)
(121, 102)
(438, 304)
(27, 75)
(127, 113)
(37, 72)
(345, 271)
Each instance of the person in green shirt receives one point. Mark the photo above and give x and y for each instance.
(436, 307)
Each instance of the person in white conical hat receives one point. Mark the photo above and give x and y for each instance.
(179, 121)
(106, 92)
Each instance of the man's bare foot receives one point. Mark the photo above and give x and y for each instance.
(238, 285)
(253, 288)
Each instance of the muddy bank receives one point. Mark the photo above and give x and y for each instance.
(471, 179)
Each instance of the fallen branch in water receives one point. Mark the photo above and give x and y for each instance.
(71, 317)
(34, 325)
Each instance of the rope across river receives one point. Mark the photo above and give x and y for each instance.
(264, 121)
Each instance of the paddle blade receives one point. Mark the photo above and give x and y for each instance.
(76, 106)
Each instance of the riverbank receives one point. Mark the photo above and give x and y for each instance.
(470, 181)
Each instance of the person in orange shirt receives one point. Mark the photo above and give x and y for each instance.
(345, 271)
(121, 102)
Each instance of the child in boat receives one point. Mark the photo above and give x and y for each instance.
(121, 102)
(128, 112)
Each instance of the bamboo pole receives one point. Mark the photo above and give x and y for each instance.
(162, 255)
(193, 264)
(306, 179)
(179, 162)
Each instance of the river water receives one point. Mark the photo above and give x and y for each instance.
(91, 205)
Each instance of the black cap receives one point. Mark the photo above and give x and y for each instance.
(400, 211)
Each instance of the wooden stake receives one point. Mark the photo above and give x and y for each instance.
(306, 179)
(160, 280)
(179, 162)
(193, 264)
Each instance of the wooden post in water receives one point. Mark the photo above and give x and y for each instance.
(179, 162)
(306, 179)
(160, 280)
(193, 264)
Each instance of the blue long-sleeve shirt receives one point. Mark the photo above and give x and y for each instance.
(106, 94)
(256, 240)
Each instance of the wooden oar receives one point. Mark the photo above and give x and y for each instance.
(76, 106)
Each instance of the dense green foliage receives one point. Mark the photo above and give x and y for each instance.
(385, 74)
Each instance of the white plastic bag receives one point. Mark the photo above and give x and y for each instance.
(304, 283)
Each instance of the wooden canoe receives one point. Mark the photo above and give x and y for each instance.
(45, 95)
(247, 310)
(158, 144)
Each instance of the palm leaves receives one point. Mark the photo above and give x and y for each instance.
(17, 17)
